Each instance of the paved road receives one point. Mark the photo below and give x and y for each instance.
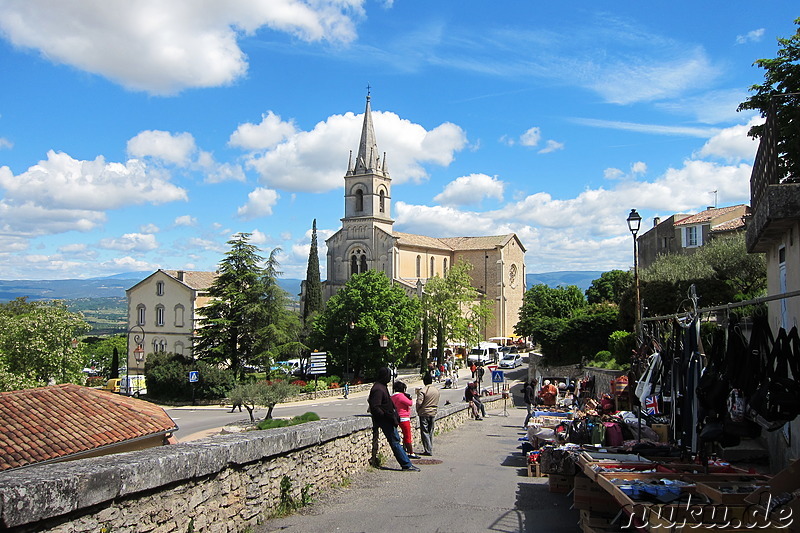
(201, 421)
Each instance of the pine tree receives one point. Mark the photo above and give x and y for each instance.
(313, 300)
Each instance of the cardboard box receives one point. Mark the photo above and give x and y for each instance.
(728, 492)
(785, 481)
(662, 430)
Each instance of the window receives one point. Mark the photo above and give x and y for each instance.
(179, 316)
(419, 267)
(179, 348)
(159, 315)
(358, 262)
(444, 266)
(364, 263)
(140, 315)
(359, 200)
(160, 288)
(353, 265)
(382, 201)
(433, 268)
(691, 237)
(512, 276)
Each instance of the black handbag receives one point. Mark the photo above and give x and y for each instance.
(777, 399)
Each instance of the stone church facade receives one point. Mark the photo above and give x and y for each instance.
(367, 241)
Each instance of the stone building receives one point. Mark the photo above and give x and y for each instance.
(367, 241)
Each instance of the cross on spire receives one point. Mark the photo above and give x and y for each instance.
(368, 88)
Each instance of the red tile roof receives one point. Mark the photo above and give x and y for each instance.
(707, 215)
(730, 225)
(62, 420)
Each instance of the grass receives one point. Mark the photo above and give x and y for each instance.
(282, 422)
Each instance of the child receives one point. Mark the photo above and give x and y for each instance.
(402, 402)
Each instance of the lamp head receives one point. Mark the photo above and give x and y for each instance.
(634, 222)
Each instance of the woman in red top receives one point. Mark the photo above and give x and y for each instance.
(402, 402)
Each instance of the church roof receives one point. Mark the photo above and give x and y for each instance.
(368, 157)
(453, 243)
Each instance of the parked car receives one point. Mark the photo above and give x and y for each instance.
(485, 353)
(511, 360)
(112, 385)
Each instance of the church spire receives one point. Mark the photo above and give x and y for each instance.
(368, 148)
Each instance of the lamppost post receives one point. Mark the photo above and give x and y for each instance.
(634, 223)
(383, 341)
(138, 351)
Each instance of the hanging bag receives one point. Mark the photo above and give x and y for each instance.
(777, 399)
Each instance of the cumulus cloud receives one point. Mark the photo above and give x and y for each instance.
(732, 144)
(165, 47)
(531, 137)
(172, 148)
(471, 189)
(215, 172)
(551, 146)
(149, 228)
(266, 134)
(750, 37)
(131, 242)
(259, 204)
(62, 193)
(315, 161)
(185, 220)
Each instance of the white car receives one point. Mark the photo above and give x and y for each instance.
(511, 360)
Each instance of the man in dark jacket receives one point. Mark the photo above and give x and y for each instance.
(530, 400)
(384, 417)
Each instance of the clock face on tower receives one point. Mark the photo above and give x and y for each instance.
(512, 276)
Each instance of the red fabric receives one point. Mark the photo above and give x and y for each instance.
(405, 427)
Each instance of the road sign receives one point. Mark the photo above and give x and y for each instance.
(194, 376)
(497, 376)
(317, 363)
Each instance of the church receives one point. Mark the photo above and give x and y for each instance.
(367, 240)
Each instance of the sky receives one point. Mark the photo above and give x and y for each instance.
(137, 135)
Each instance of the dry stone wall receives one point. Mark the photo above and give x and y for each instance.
(219, 484)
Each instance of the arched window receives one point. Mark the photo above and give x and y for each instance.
(160, 288)
(179, 316)
(140, 314)
(359, 200)
(353, 264)
(433, 268)
(159, 315)
(363, 263)
(179, 348)
(444, 266)
(419, 267)
(382, 201)
(162, 346)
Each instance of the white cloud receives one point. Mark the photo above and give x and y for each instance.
(471, 189)
(218, 172)
(130, 242)
(165, 47)
(656, 129)
(176, 149)
(531, 137)
(753, 36)
(732, 144)
(269, 132)
(61, 193)
(259, 204)
(73, 248)
(551, 146)
(5, 143)
(258, 237)
(315, 161)
(185, 220)
(149, 228)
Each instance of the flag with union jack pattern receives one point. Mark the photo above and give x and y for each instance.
(651, 405)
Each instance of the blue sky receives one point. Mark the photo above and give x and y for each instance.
(143, 135)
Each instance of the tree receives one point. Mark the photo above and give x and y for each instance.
(266, 393)
(168, 378)
(545, 314)
(376, 307)
(313, 294)
(780, 95)
(232, 321)
(36, 341)
(609, 287)
(102, 353)
(451, 306)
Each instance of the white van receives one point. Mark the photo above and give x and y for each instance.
(134, 385)
(485, 352)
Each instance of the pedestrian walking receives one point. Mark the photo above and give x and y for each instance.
(529, 395)
(402, 402)
(385, 418)
(427, 406)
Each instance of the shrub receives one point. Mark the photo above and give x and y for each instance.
(333, 379)
(95, 381)
(299, 383)
(281, 422)
(602, 356)
(333, 385)
(621, 344)
(168, 378)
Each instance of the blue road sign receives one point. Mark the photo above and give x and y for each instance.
(194, 376)
(497, 376)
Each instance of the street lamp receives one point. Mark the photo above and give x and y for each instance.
(138, 352)
(383, 341)
(634, 223)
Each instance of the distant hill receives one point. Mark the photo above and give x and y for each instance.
(582, 278)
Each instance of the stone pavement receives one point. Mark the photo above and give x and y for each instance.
(481, 484)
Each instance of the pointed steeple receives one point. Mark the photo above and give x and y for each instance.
(367, 148)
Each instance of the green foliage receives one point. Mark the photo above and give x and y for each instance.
(288, 502)
(168, 378)
(282, 422)
(451, 308)
(583, 336)
(781, 89)
(602, 356)
(376, 307)
(545, 314)
(313, 294)
(36, 343)
(722, 271)
(99, 352)
(609, 287)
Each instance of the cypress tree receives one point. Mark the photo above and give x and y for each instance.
(313, 300)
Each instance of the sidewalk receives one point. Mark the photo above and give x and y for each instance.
(481, 485)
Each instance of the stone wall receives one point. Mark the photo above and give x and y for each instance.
(219, 484)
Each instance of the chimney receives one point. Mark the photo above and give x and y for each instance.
(656, 221)
(180, 275)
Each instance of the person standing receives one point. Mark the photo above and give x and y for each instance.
(427, 406)
(548, 394)
(529, 395)
(402, 402)
(385, 418)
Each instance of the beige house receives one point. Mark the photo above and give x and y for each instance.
(367, 241)
(162, 313)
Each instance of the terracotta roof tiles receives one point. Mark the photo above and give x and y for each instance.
(54, 422)
(707, 215)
